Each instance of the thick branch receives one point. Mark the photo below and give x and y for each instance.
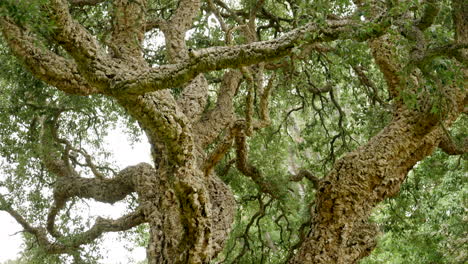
(264, 110)
(69, 184)
(366, 176)
(102, 190)
(92, 60)
(103, 225)
(58, 205)
(214, 121)
(72, 36)
(460, 18)
(105, 73)
(303, 173)
(194, 96)
(193, 99)
(449, 50)
(45, 65)
(217, 154)
(166, 127)
(217, 58)
(384, 55)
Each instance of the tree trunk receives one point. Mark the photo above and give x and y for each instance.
(361, 179)
(189, 215)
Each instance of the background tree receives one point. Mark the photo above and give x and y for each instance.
(254, 95)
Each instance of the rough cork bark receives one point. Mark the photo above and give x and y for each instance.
(188, 208)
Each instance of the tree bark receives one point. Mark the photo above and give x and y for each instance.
(340, 231)
(361, 179)
(188, 208)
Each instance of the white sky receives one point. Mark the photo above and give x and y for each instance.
(10, 237)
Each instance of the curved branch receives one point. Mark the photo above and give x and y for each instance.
(57, 206)
(45, 65)
(103, 225)
(243, 165)
(366, 176)
(69, 184)
(102, 190)
(72, 36)
(230, 83)
(217, 154)
(166, 127)
(93, 62)
(460, 19)
(303, 173)
(194, 96)
(110, 77)
(449, 50)
(264, 111)
(214, 121)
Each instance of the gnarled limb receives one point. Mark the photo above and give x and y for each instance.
(217, 119)
(366, 176)
(193, 99)
(102, 190)
(176, 28)
(74, 38)
(373, 172)
(217, 154)
(44, 64)
(303, 173)
(110, 77)
(70, 185)
(357, 182)
(449, 50)
(225, 106)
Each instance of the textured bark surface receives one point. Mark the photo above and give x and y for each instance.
(361, 179)
(188, 208)
(340, 232)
